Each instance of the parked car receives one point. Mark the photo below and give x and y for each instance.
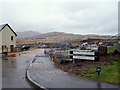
(25, 47)
(109, 44)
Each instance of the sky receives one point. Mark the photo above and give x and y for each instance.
(70, 16)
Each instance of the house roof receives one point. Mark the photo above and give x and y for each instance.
(4, 25)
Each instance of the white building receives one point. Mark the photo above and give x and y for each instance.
(7, 38)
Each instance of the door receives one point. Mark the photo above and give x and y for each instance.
(4, 48)
(11, 48)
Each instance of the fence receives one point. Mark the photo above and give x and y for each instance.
(75, 54)
(84, 55)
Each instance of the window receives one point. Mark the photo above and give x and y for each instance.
(11, 38)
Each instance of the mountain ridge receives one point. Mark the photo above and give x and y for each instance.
(57, 35)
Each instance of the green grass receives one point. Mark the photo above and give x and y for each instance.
(110, 49)
(108, 73)
(117, 45)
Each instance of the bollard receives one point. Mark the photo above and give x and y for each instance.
(98, 70)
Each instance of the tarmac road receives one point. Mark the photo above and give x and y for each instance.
(14, 70)
(44, 73)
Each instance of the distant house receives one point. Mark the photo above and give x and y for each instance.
(7, 38)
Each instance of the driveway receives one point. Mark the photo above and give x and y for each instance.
(14, 70)
(44, 73)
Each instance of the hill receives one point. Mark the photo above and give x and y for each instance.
(27, 34)
(57, 35)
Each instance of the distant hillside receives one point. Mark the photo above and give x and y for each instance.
(54, 34)
(57, 35)
(37, 35)
(27, 34)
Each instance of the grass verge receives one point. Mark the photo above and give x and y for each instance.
(109, 73)
(110, 49)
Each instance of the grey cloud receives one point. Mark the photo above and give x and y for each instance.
(75, 17)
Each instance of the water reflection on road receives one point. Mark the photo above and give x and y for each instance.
(14, 69)
(0, 72)
(43, 72)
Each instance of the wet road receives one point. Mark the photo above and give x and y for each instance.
(44, 73)
(14, 69)
(0, 72)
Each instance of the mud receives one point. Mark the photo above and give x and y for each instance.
(83, 65)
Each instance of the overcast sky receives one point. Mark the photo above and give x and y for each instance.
(72, 16)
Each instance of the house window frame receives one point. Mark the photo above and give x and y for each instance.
(11, 38)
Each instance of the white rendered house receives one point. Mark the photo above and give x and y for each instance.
(7, 38)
